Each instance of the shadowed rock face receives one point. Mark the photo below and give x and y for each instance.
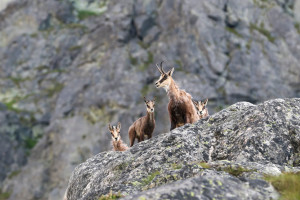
(258, 140)
(70, 67)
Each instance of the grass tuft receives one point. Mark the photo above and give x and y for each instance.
(4, 195)
(176, 166)
(287, 184)
(263, 31)
(236, 171)
(111, 196)
(232, 30)
(204, 165)
(297, 26)
(148, 180)
(13, 174)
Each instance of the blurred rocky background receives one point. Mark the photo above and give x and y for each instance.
(69, 67)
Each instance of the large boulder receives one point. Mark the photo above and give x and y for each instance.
(253, 140)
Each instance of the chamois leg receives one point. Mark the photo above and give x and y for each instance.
(132, 135)
(173, 125)
(141, 138)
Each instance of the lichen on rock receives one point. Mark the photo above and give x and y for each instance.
(249, 141)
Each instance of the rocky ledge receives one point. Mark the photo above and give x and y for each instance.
(225, 156)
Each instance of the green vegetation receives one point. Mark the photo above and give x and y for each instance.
(148, 180)
(146, 63)
(11, 103)
(85, 9)
(297, 26)
(204, 165)
(287, 184)
(232, 30)
(264, 4)
(176, 166)
(95, 114)
(133, 60)
(13, 174)
(74, 48)
(145, 90)
(143, 45)
(4, 195)
(263, 31)
(30, 142)
(37, 133)
(111, 196)
(248, 45)
(236, 171)
(122, 166)
(82, 14)
(18, 80)
(55, 89)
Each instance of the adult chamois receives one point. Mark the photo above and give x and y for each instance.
(180, 107)
(144, 126)
(118, 144)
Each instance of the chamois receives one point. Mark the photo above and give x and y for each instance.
(117, 143)
(201, 108)
(144, 126)
(180, 107)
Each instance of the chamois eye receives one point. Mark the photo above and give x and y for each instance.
(164, 78)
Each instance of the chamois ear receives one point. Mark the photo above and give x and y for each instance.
(145, 100)
(109, 127)
(170, 73)
(194, 102)
(154, 99)
(205, 102)
(119, 126)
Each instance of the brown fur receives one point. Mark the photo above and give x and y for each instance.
(201, 108)
(144, 126)
(180, 107)
(119, 145)
(117, 142)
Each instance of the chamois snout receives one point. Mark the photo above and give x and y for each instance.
(157, 84)
(150, 105)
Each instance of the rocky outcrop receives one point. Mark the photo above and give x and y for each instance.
(223, 156)
(72, 66)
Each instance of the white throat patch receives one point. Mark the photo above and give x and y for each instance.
(166, 87)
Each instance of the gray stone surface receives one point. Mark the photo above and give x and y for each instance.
(72, 67)
(260, 140)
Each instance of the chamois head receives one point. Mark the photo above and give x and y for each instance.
(115, 131)
(150, 105)
(200, 106)
(164, 80)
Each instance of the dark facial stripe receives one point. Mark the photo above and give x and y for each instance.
(163, 79)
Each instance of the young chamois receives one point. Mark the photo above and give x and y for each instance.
(144, 126)
(201, 108)
(117, 143)
(180, 107)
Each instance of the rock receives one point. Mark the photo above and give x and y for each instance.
(16, 138)
(211, 185)
(231, 149)
(74, 66)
